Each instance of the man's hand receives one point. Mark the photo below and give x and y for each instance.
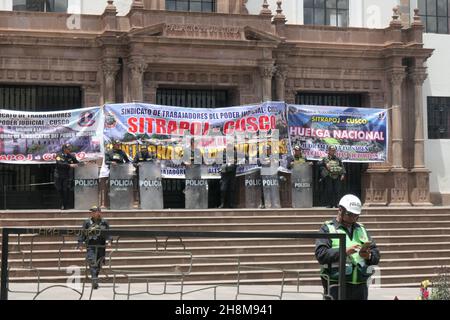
(73, 165)
(79, 247)
(365, 253)
(353, 249)
(342, 178)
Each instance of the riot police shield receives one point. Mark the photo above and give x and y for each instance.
(150, 186)
(301, 181)
(86, 186)
(196, 189)
(271, 190)
(253, 189)
(121, 186)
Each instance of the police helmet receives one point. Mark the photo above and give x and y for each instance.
(66, 146)
(95, 209)
(351, 203)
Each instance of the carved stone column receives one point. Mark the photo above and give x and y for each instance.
(137, 67)
(399, 191)
(280, 80)
(267, 72)
(420, 191)
(110, 68)
(396, 80)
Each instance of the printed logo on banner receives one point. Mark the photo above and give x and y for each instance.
(110, 120)
(86, 119)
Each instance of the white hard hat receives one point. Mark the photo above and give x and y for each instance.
(351, 203)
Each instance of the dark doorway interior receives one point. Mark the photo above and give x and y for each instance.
(352, 183)
(31, 186)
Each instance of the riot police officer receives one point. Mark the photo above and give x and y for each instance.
(95, 242)
(65, 160)
(142, 156)
(332, 173)
(116, 155)
(227, 181)
(298, 158)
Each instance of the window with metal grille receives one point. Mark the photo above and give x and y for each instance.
(192, 98)
(31, 182)
(435, 15)
(191, 5)
(326, 12)
(438, 117)
(331, 99)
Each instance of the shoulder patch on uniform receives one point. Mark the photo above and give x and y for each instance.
(58, 158)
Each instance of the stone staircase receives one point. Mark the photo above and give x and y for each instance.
(414, 244)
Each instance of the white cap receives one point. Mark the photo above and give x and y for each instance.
(351, 203)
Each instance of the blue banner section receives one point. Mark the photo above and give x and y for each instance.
(359, 134)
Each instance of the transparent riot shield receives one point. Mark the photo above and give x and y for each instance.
(302, 191)
(150, 186)
(121, 186)
(196, 189)
(271, 189)
(86, 186)
(253, 189)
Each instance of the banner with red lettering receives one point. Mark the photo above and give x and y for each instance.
(36, 137)
(359, 134)
(176, 134)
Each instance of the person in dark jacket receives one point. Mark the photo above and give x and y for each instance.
(65, 161)
(361, 252)
(95, 242)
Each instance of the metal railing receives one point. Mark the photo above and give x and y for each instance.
(187, 234)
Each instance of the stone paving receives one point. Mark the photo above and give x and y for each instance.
(190, 292)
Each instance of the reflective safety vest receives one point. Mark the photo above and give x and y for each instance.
(355, 266)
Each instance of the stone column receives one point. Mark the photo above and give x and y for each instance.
(137, 67)
(399, 191)
(110, 68)
(267, 72)
(396, 80)
(280, 80)
(420, 193)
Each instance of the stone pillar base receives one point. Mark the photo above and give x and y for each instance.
(420, 190)
(375, 192)
(399, 191)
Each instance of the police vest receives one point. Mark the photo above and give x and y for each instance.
(300, 160)
(335, 169)
(355, 266)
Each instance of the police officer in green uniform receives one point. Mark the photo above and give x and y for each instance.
(65, 160)
(95, 242)
(332, 173)
(116, 155)
(298, 158)
(361, 252)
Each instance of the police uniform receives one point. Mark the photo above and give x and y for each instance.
(227, 183)
(95, 245)
(63, 176)
(357, 271)
(332, 178)
(141, 156)
(117, 156)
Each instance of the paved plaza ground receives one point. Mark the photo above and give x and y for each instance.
(246, 292)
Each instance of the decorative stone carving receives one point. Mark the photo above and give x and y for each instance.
(137, 66)
(265, 11)
(267, 71)
(399, 193)
(396, 78)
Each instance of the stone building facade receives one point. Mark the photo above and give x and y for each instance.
(253, 57)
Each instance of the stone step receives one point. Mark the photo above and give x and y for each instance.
(116, 221)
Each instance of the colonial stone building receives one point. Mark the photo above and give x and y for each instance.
(229, 57)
